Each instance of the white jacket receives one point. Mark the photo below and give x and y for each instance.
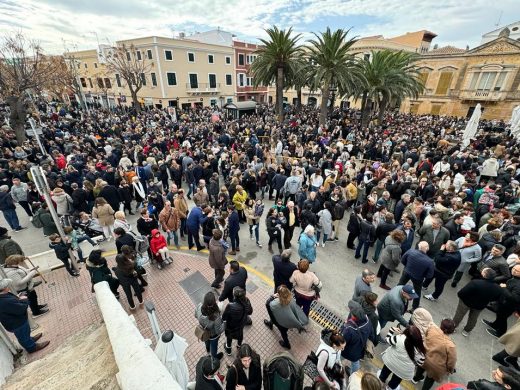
(490, 167)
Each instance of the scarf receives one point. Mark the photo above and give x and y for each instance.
(140, 190)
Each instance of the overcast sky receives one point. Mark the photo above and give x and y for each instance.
(74, 23)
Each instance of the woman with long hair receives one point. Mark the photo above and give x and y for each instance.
(235, 315)
(209, 317)
(127, 276)
(246, 370)
(104, 213)
(406, 351)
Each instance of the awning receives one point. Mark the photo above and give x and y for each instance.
(242, 106)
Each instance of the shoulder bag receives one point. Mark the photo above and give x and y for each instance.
(201, 333)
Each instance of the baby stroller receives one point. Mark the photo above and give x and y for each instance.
(90, 227)
(282, 372)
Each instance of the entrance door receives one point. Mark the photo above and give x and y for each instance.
(186, 106)
(172, 103)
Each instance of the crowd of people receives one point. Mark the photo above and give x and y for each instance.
(432, 209)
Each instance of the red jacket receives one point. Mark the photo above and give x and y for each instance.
(157, 243)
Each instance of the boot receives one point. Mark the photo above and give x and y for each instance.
(269, 324)
(40, 346)
(227, 349)
(270, 248)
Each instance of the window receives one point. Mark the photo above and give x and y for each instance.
(213, 102)
(108, 84)
(143, 78)
(241, 59)
(95, 65)
(90, 82)
(229, 79)
(423, 77)
(168, 56)
(138, 55)
(210, 59)
(241, 81)
(212, 80)
(366, 56)
(149, 54)
(228, 60)
(500, 81)
(229, 100)
(100, 82)
(128, 58)
(191, 57)
(118, 80)
(444, 83)
(86, 66)
(194, 83)
(487, 80)
(83, 82)
(172, 78)
(154, 79)
(248, 81)
(474, 80)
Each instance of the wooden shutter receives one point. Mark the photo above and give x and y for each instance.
(436, 109)
(444, 83)
(423, 78)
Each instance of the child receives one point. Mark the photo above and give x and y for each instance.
(158, 247)
(75, 237)
(62, 252)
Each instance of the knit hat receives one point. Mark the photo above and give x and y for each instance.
(356, 310)
(210, 365)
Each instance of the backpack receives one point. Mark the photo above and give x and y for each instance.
(141, 242)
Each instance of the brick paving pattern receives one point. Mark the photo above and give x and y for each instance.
(73, 307)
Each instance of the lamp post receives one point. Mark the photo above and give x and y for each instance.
(40, 181)
(333, 89)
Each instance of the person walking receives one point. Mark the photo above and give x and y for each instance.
(105, 216)
(217, 258)
(97, 267)
(253, 220)
(291, 221)
(511, 342)
(363, 282)
(127, 276)
(383, 230)
(324, 223)
(390, 256)
(235, 315)
(61, 249)
(447, 261)
(283, 269)
(308, 244)
(435, 235)
(329, 357)
(13, 317)
(8, 246)
(470, 252)
(305, 284)
(210, 319)
(8, 208)
(474, 297)
(367, 234)
(234, 228)
(237, 278)
(285, 314)
(418, 267)
(353, 227)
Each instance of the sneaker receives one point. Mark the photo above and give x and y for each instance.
(41, 312)
(258, 245)
(323, 245)
(269, 324)
(336, 239)
(464, 333)
(30, 219)
(227, 350)
(75, 274)
(132, 308)
(429, 297)
(20, 228)
(159, 266)
(43, 306)
(374, 261)
(492, 332)
(487, 323)
(220, 355)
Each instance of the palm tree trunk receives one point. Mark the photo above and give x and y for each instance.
(324, 101)
(299, 98)
(382, 107)
(279, 93)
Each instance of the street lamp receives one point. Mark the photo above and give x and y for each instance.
(333, 89)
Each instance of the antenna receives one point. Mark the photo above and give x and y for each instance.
(499, 19)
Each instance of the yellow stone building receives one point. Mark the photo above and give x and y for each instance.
(456, 80)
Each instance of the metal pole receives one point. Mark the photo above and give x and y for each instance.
(32, 122)
(43, 188)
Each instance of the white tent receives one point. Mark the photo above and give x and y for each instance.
(171, 354)
(515, 122)
(472, 125)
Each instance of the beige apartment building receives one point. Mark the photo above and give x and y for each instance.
(182, 73)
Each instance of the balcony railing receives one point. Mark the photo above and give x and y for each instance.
(493, 96)
(202, 87)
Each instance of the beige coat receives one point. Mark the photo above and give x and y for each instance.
(104, 215)
(181, 205)
(511, 340)
(441, 354)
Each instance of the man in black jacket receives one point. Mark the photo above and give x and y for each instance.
(283, 269)
(123, 238)
(237, 277)
(13, 317)
(507, 304)
(79, 198)
(367, 234)
(506, 378)
(446, 263)
(494, 260)
(474, 297)
(382, 231)
(453, 226)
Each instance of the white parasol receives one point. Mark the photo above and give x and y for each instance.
(170, 351)
(472, 126)
(515, 122)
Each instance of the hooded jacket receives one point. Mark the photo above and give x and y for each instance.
(356, 331)
(157, 243)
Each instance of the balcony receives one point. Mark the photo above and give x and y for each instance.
(490, 96)
(202, 88)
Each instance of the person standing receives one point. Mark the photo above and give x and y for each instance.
(105, 216)
(61, 249)
(367, 234)
(237, 278)
(180, 203)
(13, 317)
(246, 370)
(209, 317)
(391, 256)
(194, 221)
(273, 225)
(305, 283)
(8, 246)
(363, 282)
(353, 227)
(324, 223)
(19, 195)
(283, 269)
(127, 276)
(291, 221)
(383, 230)
(234, 228)
(307, 245)
(394, 304)
(435, 235)
(170, 221)
(446, 263)
(511, 342)
(217, 258)
(418, 267)
(474, 297)
(8, 208)
(235, 315)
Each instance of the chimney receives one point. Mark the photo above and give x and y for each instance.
(182, 35)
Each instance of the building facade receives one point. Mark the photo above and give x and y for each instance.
(456, 80)
(244, 57)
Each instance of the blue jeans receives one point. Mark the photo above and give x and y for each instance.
(377, 252)
(12, 218)
(23, 335)
(212, 346)
(192, 189)
(175, 237)
(325, 236)
(362, 245)
(256, 230)
(354, 366)
(235, 240)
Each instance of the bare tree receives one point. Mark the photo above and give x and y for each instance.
(131, 67)
(72, 77)
(23, 68)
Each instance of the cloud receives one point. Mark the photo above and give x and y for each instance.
(75, 23)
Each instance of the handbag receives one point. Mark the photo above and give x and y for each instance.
(310, 367)
(317, 289)
(201, 333)
(369, 349)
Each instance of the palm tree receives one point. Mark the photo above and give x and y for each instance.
(333, 66)
(276, 62)
(390, 77)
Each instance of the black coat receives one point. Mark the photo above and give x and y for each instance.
(235, 315)
(384, 229)
(125, 239)
(111, 195)
(13, 311)
(454, 230)
(478, 293)
(239, 279)
(251, 382)
(79, 200)
(125, 194)
(367, 231)
(201, 382)
(282, 272)
(354, 224)
(447, 263)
